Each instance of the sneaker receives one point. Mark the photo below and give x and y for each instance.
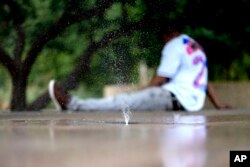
(59, 98)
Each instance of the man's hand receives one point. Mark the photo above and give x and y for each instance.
(213, 98)
(224, 106)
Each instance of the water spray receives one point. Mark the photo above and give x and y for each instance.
(126, 113)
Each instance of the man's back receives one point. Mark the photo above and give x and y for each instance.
(185, 63)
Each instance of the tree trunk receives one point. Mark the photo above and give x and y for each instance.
(18, 101)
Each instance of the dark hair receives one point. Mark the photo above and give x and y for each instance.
(170, 26)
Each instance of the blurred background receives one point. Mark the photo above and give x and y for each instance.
(87, 44)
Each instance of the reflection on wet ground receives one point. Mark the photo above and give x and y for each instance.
(156, 139)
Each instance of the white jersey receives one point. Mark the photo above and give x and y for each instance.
(185, 63)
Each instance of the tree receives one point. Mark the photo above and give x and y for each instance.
(19, 62)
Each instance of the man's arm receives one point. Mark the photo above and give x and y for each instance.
(213, 98)
(155, 81)
(158, 81)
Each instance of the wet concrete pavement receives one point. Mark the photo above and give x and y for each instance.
(152, 139)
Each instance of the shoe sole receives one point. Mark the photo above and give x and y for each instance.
(52, 95)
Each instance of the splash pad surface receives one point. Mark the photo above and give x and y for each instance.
(103, 139)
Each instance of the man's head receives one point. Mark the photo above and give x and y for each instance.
(170, 29)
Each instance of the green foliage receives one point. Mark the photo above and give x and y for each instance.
(136, 10)
(5, 87)
(240, 68)
(115, 12)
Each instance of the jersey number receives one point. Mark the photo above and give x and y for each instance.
(197, 82)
